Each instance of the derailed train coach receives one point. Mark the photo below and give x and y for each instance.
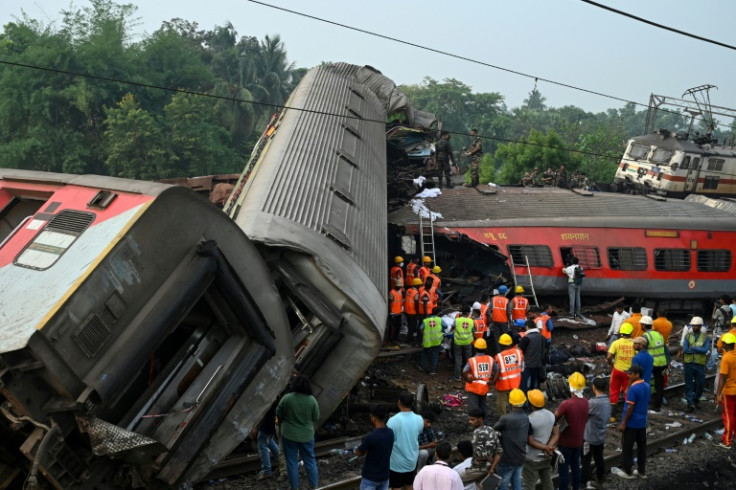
(142, 336)
(313, 197)
(145, 332)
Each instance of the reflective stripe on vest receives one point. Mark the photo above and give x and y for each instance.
(518, 307)
(481, 368)
(693, 342)
(397, 302)
(463, 331)
(424, 295)
(410, 301)
(499, 314)
(432, 335)
(655, 346)
(480, 327)
(411, 269)
(509, 366)
(423, 273)
(397, 276)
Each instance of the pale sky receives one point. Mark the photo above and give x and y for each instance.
(567, 41)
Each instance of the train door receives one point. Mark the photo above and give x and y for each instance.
(691, 181)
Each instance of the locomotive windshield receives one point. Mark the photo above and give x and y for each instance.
(638, 152)
(662, 156)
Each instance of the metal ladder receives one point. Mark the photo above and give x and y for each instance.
(525, 281)
(426, 236)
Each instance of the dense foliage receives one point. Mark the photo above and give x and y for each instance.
(84, 98)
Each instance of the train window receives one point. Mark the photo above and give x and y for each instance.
(54, 239)
(696, 163)
(711, 182)
(672, 259)
(716, 164)
(638, 152)
(589, 257)
(685, 163)
(538, 255)
(714, 260)
(662, 155)
(627, 259)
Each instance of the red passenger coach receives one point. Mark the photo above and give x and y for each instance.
(632, 246)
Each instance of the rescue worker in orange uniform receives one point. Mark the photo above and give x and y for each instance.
(634, 321)
(500, 313)
(510, 363)
(435, 284)
(397, 272)
(519, 305)
(411, 271)
(480, 372)
(396, 308)
(479, 318)
(424, 270)
(411, 310)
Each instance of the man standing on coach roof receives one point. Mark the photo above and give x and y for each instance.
(476, 153)
(406, 426)
(444, 155)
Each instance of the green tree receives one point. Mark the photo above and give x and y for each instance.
(538, 150)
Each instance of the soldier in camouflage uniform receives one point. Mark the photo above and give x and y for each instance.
(444, 153)
(486, 449)
(476, 152)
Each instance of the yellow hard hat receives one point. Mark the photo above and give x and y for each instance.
(398, 259)
(416, 282)
(536, 398)
(519, 289)
(517, 397)
(505, 339)
(728, 338)
(577, 381)
(480, 344)
(733, 320)
(427, 259)
(436, 269)
(626, 328)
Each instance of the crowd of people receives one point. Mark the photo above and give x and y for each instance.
(558, 178)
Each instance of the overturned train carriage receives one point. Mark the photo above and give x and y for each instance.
(314, 198)
(141, 333)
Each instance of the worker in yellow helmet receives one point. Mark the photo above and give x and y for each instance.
(514, 430)
(726, 394)
(619, 358)
(570, 443)
(425, 269)
(542, 445)
(397, 272)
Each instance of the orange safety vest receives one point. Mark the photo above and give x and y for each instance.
(424, 294)
(480, 327)
(423, 273)
(545, 331)
(499, 314)
(411, 301)
(411, 268)
(519, 304)
(481, 368)
(397, 276)
(396, 301)
(483, 310)
(509, 366)
(436, 281)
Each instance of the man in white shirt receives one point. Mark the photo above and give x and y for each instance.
(619, 316)
(573, 289)
(465, 448)
(439, 476)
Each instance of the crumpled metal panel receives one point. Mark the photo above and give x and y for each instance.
(107, 439)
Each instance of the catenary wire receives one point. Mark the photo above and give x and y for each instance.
(660, 26)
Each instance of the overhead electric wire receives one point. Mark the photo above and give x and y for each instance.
(660, 26)
(275, 106)
(451, 55)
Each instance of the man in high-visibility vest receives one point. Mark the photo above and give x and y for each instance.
(619, 358)
(424, 270)
(412, 271)
(695, 350)
(397, 272)
(479, 319)
(660, 352)
(519, 305)
(726, 392)
(498, 316)
(396, 308)
(510, 363)
(480, 372)
(431, 340)
(461, 342)
(411, 310)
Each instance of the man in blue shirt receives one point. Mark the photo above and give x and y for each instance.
(694, 354)
(406, 426)
(643, 358)
(376, 447)
(634, 425)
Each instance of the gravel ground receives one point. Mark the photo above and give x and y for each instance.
(699, 464)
